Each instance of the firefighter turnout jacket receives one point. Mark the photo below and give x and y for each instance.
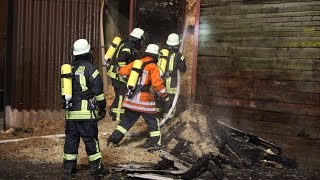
(144, 101)
(87, 84)
(176, 62)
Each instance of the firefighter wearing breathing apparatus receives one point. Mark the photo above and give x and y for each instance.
(85, 106)
(176, 62)
(139, 101)
(119, 54)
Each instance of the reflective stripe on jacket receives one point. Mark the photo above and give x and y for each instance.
(144, 101)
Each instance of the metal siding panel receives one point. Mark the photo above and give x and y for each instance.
(3, 47)
(44, 33)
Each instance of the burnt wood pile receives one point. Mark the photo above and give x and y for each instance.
(241, 155)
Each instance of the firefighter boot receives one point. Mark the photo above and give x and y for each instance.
(70, 166)
(97, 169)
(114, 139)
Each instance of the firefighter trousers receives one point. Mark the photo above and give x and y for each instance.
(130, 119)
(88, 131)
(120, 89)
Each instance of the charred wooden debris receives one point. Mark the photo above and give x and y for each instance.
(237, 150)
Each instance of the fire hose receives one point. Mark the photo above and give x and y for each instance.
(174, 103)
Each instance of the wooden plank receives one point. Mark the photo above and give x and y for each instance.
(209, 30)
(265, 84)
(221, 89)
(256, 41)
(210, 3)
(305, 32)
(261, 26)
(224, 113)
(268, 74)
(259, 105)
(252, 63)
(267, 18)
(262, 8)
(256, 52)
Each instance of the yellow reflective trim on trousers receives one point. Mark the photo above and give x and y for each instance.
(95, 156)
(100, 97)
(155, 133)
(95, 74)
(69, 157)
(97, 145)
(83, 82)
(119, 110)
(121, 129)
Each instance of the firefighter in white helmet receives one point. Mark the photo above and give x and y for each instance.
(126, 53)
(142, 102)
(176, 62)
(88, 107)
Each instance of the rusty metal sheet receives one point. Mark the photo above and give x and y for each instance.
(44, 31)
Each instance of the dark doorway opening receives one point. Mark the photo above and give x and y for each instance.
(159, 18)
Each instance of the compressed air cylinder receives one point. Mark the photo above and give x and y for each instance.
(66, 82)
(134, 74)
(112, 48)
(162, 62)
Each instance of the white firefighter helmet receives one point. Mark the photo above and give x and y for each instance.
(153, 49)
(81, 46)
(137, 33)
(173, 39)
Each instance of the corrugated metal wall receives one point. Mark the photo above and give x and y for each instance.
(44, 31)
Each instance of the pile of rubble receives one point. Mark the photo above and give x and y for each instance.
(196, 151)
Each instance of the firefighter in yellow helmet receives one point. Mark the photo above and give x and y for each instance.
(126, 53)
(140, 101)
(176, 62)
(88, 107)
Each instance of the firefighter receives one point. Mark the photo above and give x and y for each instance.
(176, 62)
(127, 52)
(141, 101)
(88, 107)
